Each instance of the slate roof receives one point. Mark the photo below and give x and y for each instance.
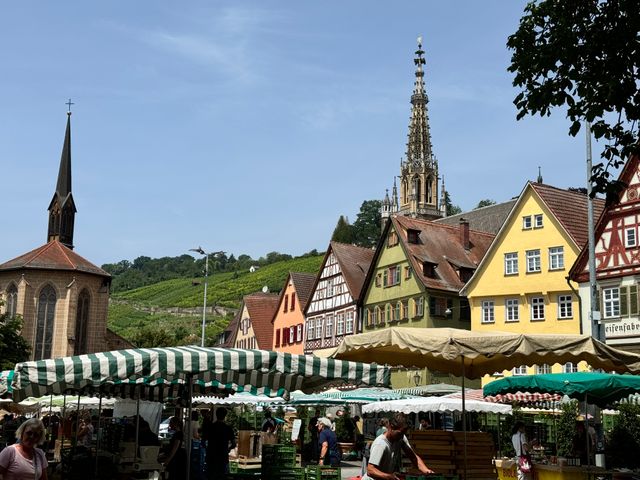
(487, 219)
(354, 263)
(261, 308)
(303, 283)
(53, 256)
(570, 208)
(441, 244)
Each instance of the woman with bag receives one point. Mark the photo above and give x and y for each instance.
(22, 460)
(523, 457)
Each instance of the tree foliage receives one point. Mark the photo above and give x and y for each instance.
(583, 55)
(624, 441)
(485, 203)
(343, 232)
(368, 225)
(13, 347)
(451, 209)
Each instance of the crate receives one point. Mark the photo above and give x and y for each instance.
(322, 472)
(287, 473)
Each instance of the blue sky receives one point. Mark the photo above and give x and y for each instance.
(251, 126)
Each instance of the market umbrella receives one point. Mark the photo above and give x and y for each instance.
(239, 399)
(432, 389)
(257, 371)
(599, 388)
(436, 404)
(365, 395)
(311, 399)
(474, 354)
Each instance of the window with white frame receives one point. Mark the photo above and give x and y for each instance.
(330, 287)
(405, 309)
(419, 306)
(488, 311)
(611, 302)
(537, 220)
(376, 315)
(556, 258)
(526, 222)
(511, 263)
(328, 329)
(565, 306)
(310, 329)
(543, 369)
(340, 323)
(292, 335)
(537, 308)
(398, 312)
(299, 332)
(318, 327)
(630, 237)
(349, 322)
(533, 261)
(511, 310)
(521, 370)
(570, 367)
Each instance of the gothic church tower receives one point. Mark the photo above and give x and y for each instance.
(419, 196)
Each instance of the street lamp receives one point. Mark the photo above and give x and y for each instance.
(206, 277)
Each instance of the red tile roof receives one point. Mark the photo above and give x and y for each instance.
(53, 256)
(570, 208)
(441, 245)
(354, 263)
(261, 308)
(303, 283)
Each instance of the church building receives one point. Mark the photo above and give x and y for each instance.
(61, 297)
(419, 196)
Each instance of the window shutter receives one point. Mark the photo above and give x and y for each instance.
(633, 300)
(277, 338)
(624, 306)
(384, 278)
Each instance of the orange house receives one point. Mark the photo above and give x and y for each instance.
(288, 321)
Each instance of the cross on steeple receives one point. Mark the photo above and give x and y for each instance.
(69, 103)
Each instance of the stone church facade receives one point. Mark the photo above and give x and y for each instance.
(62, 297)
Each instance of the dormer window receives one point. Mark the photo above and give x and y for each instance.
(429, 269)
(413, 236)
(465, 274)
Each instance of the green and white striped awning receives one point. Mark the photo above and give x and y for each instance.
(366, 395)
(6, 378)
(161, 373)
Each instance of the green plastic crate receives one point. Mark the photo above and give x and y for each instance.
(322, 472)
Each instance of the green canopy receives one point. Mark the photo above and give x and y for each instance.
(598, 388)
(141, 372)
(6, 377)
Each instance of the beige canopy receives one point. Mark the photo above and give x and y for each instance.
(476, 354)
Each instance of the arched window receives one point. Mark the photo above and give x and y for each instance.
(418, 190)
(404, 192)
(44, 325)
(429, 188)
(12, 300)
(82, 320)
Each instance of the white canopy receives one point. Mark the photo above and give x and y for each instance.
(435, 404)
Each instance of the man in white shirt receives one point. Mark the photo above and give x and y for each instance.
(384, 459)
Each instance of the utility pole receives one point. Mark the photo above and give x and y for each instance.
(597, 330)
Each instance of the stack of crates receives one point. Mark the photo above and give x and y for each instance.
(279, 463)
(321, 472)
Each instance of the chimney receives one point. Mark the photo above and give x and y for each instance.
(464, 233)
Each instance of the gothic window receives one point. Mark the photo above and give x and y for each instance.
(418, 189)
(82, 320)
(429, 190)
(12, 301)
(44, 325)
(404, 191)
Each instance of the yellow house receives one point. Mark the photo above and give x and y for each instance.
(521, 284)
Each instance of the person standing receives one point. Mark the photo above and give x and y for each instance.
(269, 424)
(327, 444)
(220, 440)
(23, 461)
(176, 460)
(521, 447)
(313, 429)
(85, 435)
(386, 449)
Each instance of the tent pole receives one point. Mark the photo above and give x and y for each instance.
(98, 430)
(586, 430)
(75, 443)
(64, 409)
(135, 455)
(464, 420)
(499, 438)
(188, 434)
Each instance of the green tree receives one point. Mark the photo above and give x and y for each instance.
(13, 347)
(583, 55)
(367, 227)
(152, 336)
(343, 232)
(485, 203)
(451, 209)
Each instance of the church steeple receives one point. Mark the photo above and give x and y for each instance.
(419, 169)
(62, 208)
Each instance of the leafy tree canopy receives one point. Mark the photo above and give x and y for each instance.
(485, 203)
(368, 227)
(583, 55)
(13, 347)
(343, 232)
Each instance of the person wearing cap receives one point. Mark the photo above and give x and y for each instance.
(384, 459)
(327, 444)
